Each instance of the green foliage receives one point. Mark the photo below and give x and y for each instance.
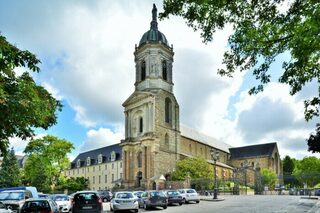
(268, 177)
(72, 184)
(261, 33)
(9, 171)
(23, 104)
(195, 168)
(308, 171)
(288, 167)
(314, 141)
(47, 159)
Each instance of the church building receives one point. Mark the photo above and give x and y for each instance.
(154, 139)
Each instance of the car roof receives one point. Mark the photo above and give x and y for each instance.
(38, 199)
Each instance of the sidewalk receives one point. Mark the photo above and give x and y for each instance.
(210, 198)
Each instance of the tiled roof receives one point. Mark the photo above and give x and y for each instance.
(205, 139)
(93, 154)
(261, 150)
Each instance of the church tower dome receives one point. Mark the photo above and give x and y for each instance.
(154, 35)
(153, 58)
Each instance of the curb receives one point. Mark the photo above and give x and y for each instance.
(212, 200)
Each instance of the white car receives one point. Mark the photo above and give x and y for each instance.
(4, 209)
(124, 201)
(189, 195)
(63, 201)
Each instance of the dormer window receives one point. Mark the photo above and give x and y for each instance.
(143, 70)
(113, 156)
(88, 161)
(164, 70)
(100, 158)
(78, 163)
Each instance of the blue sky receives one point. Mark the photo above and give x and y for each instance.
(86, 49)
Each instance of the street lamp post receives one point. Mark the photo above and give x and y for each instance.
(215, 157)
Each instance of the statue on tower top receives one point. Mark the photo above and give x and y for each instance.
(154, 23)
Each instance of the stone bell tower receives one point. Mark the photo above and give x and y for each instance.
(152, 131)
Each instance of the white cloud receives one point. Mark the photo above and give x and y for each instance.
(100, 138)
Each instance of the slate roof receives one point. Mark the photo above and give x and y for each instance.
(93, 154)
(205, 139)
(259, 150)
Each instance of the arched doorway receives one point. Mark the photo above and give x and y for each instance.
(139, 177)
(154, 186)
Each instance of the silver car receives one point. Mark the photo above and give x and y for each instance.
(124, 201)
(4, 209)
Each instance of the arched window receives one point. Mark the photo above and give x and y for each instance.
(168, 111)
(143, 70)
(140, 125)
(139, 158)
(164, 70)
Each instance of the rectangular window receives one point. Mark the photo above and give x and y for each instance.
(93, 179)
(112, 166)
(112, 177)
(93, 169)
(99, 179)
(105, 178)
(120, 164)
(105, 167)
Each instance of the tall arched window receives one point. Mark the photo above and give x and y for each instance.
(164, 70)
(168, 111)
(139, 158)
(140, 125)
(143, 70)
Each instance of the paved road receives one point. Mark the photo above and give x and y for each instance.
(243, 204)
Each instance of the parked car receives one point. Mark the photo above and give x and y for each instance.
(87, 202)
(39, 205)
(174, 197)
(63, 201)
(14, 199)
(124, 201)
(4, 209)
(42, 195)
(189, 195)
(153, 199)
(105, 195)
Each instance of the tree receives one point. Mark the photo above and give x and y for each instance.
(24, 105)
(314, 141)
(50, 154)
(262, 31)
(72, 184)
(9, 171)
(194, 168)
(308, 171)
(288, 167)
(268, 177)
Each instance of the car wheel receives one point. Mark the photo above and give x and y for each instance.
(180, 204)
(184, 200)
(136, 210)
(197, 201)
(111, 209)
(165, 207)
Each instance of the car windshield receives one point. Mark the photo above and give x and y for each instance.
(156, 194)
(61, 198)
(86, 197)
(191, 191)
(37, 205)
(124, 195)
(11, 196)
(172, 193)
